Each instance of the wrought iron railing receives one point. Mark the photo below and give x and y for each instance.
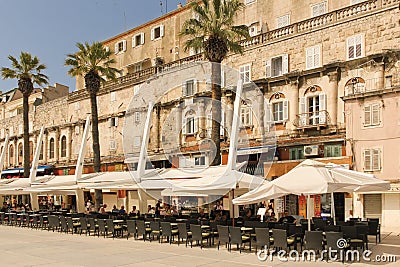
(312, 119)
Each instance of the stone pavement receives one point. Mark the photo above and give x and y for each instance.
(29, 247)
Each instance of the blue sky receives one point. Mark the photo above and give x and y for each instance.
(50, 29)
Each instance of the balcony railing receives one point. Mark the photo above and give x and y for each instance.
(360, 87)
(312, 119)
(318, 22)
(253, 169)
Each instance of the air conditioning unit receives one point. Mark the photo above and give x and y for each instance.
(311, 150)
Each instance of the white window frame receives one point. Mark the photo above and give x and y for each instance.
(357, 44)
(313, 57)
(113, 145)
(353, 2)
(136, 89)
(197, 160)
(185, 87)
(270, 66)
(246, 116)
(2, 133)
(113, 96)
(372, 114)
(319, 9)
(20, 129)
(141, 41)
(253, 30)
(284, 110)
(245, 73)
(191, 125)
(113, 122)
(136, 141)
(283, 21)
(77, 129)
(318, 116)
(120, 47)
(153, 32)
(372, 159)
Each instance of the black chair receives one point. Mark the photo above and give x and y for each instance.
(93, 227)
(142, 230)
(131, 228)
(296, 232)
(223, 235)
(375, 230)
(183, 233)
(362, 233)
(263, 238)
(43, 222)
(238, 238)
(332, 228)
(168, 232)
(73, 226)
(115, 230)
(102, 228)
(333, 245)
(313, 240)
(353, 239)
(63, 224)
(198, 235)
(155, 230)
(320, 225)
(84, 226)
(281, 240)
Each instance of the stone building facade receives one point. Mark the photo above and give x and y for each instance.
(304, 56)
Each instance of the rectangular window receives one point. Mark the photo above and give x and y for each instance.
(372, 115)
(313, 57)
(113, 145)
(136, 89)
(319, 9)
(190, 125)
(77, 130)
(77, 106)
(157, 32)
(277, 66)
(253, 30)
(246, 116)
(280, 111)
(372, 159)
(189, 87)
(296, 153)
(332, 150)
(138, 40)
(283, 21)
(136, 141)
(245, 74)
(200, 161)
(114, 122)
(2, 133)
(120, 46)
(248, 2)
(355, 46)
(20, 129)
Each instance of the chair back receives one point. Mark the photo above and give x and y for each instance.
(332, 240)
(102, 225)
(63, 222)
(70, 223)
(141, 227)
(332, 228)
(223, 233)
(362, 232)
(262, 237)
(373, 227)
(320, 225)
(295, 229)
(92, 224)
(110, 225)
(182, 230)
(84, 224)
(131, 226)
(314, 240)
(280, 238)
(236, 235)
(196, 232)
(349, 231)
(166, 229)
(155, 226)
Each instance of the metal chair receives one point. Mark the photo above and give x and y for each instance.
(238, 238)
(131, 228)
(198, 235)
(313, 240)
(102, 228)
(223, 235)
(168, 232)
(281, 241)
(183, 233)
(84, 226)
(155, 230)
(142, 229)
(263, 238)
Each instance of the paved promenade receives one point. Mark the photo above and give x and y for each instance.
(27, 247)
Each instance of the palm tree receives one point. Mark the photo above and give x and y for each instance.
(92, 62)
(214, 32)
(28, 72)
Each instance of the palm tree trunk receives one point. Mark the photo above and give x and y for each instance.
(216, 110)
(96, 146)
(25, 98)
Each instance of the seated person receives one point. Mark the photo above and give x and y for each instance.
(122, 210)
(114, 209)
(202, 215)
(103, 209)
(248, 215)
(287, 218)
(134, 211)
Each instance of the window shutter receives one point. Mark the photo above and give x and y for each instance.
(285, 63)
(303, 115)
(222, 79)
(116, 121)
(285, 110)
(222, 124)
(268, 115)
(134, 44)
(358, 45)
(110, 122)
(162, 31)
(107, 48)
(309, 58)
(184, 91)
(196, 125)
(317, 56)
(322, 108)
(367, 115)
(376, 159)
(124, 45)
(350, 47)
(375, 114)
(184, 126)
(195, 87)
(268, 69)
(116, 48)
(142, 38)
(367, 160)
(152, 34)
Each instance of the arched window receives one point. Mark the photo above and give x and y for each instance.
(20, 153)
(190, 123)
(354, 86)
(63, 146)
(313, 109)
(41, 152)
(246, 113)
(278, 108)
(51, 150)
(11, 155)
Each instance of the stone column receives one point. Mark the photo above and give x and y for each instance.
(178, 123)
(294, 103)
(202, 118)
(69, 143)
(332, 97)
(46, 146)
(57, 146)
(155, 130)
(229, 114)
(380, 76)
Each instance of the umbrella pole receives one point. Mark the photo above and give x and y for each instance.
(308, 212)
(333, 215)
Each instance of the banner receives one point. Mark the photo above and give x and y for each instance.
(317, 205)
(303, 206)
